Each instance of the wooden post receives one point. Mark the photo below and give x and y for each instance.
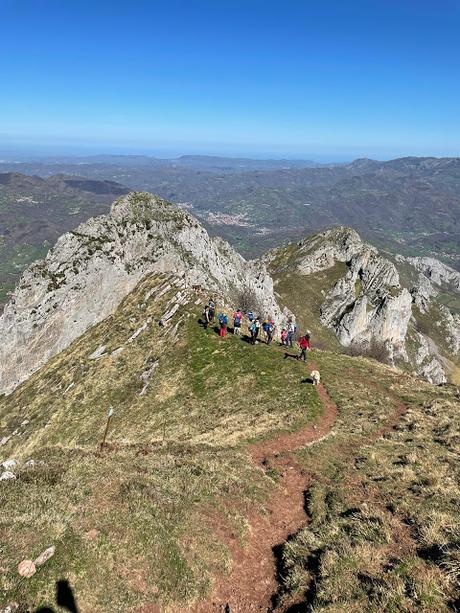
(109, 417)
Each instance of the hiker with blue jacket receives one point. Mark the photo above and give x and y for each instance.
(254, 328)
(270, 331)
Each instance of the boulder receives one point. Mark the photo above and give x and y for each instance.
(27, 569)
(7, 475)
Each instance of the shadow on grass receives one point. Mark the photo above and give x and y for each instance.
(64, 598)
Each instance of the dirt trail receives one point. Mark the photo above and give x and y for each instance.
(252, 582)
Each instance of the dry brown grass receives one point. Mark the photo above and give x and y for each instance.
(384, 508)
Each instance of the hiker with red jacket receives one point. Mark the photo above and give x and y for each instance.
(305, 345)
(283, 336)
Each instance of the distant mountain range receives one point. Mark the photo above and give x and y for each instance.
(206, 162)
(408, 205)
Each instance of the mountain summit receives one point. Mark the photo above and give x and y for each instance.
(90, 270)
(404, 311)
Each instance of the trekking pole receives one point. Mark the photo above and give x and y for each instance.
(109, 417)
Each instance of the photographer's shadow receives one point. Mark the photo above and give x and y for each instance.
(64, 598)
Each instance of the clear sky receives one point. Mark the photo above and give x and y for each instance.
(320, 79)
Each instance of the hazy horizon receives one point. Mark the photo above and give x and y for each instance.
(19, 153)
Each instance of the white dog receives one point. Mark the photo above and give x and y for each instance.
(315, 377)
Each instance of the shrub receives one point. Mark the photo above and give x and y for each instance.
(247, 300)
(375, 349)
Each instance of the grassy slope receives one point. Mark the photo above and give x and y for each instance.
(384, 506)
(134, 524)
(142, 521)
(304, 294)
(384, 513)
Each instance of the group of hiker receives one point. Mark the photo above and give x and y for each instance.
(256, 326)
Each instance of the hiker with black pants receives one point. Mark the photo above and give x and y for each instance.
(237, 320)
(290, 334)
(304, 344)
(254, 330)
(270, 331)
(212, 310)
(206, 317)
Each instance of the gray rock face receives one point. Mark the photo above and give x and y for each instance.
(423, 292)
(90, 270)
(324, 250)
(369, 303)
(429, 363)
(451, 325)
(436, 271)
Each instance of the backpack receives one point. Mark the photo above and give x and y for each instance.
(224, 320)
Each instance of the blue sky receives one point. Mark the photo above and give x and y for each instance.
(325, 80)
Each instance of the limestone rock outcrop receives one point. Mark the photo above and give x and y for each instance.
(369, 303)
(85, 276)
(436, 271)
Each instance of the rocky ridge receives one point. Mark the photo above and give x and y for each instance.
(85, 276)
(371, 303)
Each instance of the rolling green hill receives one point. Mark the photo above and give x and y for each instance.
(409, 205)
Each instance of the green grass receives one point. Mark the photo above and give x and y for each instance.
(143, 521)
(138, 523)
(303, 295)
(383, 508)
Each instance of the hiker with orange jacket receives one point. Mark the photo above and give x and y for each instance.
(305, 345)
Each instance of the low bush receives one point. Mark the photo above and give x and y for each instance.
(375, 349)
